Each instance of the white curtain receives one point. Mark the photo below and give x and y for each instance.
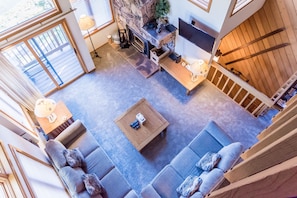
(14, 83)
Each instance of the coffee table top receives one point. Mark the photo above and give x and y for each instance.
(155, 123)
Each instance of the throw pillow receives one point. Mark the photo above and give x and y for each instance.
(55, 151)
(72, 177)
(230, 154)
(74, 157)
(92, 184)
(208, 161)
(189, 186)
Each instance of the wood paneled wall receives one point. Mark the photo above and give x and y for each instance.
(266, 67)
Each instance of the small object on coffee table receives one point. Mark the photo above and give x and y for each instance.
(141, 119)
(135, 124)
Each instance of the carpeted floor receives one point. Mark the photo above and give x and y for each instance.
(101, 96)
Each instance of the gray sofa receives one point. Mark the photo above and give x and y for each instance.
(95, 161)
(211, 139)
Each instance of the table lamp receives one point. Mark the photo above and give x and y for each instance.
(198, 68)
(85, 23)
(44, 108)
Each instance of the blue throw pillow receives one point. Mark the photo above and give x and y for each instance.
(74, 157)
(189, 186)
(92, 184)
(208, 161)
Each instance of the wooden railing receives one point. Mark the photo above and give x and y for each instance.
(240, 91)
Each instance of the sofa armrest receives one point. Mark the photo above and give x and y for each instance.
(220, 135)
(211, 139)
(71, 133)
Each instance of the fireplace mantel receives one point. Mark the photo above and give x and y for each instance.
(136, 14)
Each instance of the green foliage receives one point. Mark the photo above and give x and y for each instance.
(162, 8)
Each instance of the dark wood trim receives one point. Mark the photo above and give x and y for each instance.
(256, 40)
(258, 53)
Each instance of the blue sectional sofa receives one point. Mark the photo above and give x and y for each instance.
(95, 161)
(211, 139)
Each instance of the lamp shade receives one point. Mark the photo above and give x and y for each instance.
(86, 22)
(44, 107)
(199, 67)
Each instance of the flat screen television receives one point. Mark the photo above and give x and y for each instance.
(195, 36)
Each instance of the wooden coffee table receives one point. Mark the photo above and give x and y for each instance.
(155, 124)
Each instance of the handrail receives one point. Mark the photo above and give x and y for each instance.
(250, 98)
(266, 100)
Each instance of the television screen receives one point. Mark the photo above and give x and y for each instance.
(196, 36)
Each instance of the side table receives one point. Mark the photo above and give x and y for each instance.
(64, 119)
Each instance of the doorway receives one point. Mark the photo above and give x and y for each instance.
(48, 59)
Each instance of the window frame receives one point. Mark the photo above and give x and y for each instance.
(8, 175)
(32, 22)
(202, 4)
(243, 3)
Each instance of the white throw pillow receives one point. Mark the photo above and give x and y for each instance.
(229, 156)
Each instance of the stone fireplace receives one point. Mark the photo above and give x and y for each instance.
(137, 17)
(140, 43)
(134, 13)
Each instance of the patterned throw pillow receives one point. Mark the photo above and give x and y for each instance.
(189, 186)
(92, 184)
(208, 161)
(74, 157)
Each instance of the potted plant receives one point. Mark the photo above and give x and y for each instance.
(162, 9)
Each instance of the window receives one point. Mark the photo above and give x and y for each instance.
(12, 111)
(240, 4)
(16, 15)
(100, 10)
(204, 4)
(6, 176)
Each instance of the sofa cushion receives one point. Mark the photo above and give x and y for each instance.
(184, 163)
(98, 162)
(72, 177)
(55, 151)
(85, 194)
(229, 156)
(208, 161)
(149, 192)
(210, 180)
(74, 157)
(189, 186)
(92, 184)
(197, 195)
(115, 184)
(82, 141)
(131, 194)
(166, 182)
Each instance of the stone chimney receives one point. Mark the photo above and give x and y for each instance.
(134, 13)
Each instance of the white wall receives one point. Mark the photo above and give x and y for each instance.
(214, 19)
(218, 18)
(100, 38)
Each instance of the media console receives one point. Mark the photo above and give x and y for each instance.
(180, 73)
